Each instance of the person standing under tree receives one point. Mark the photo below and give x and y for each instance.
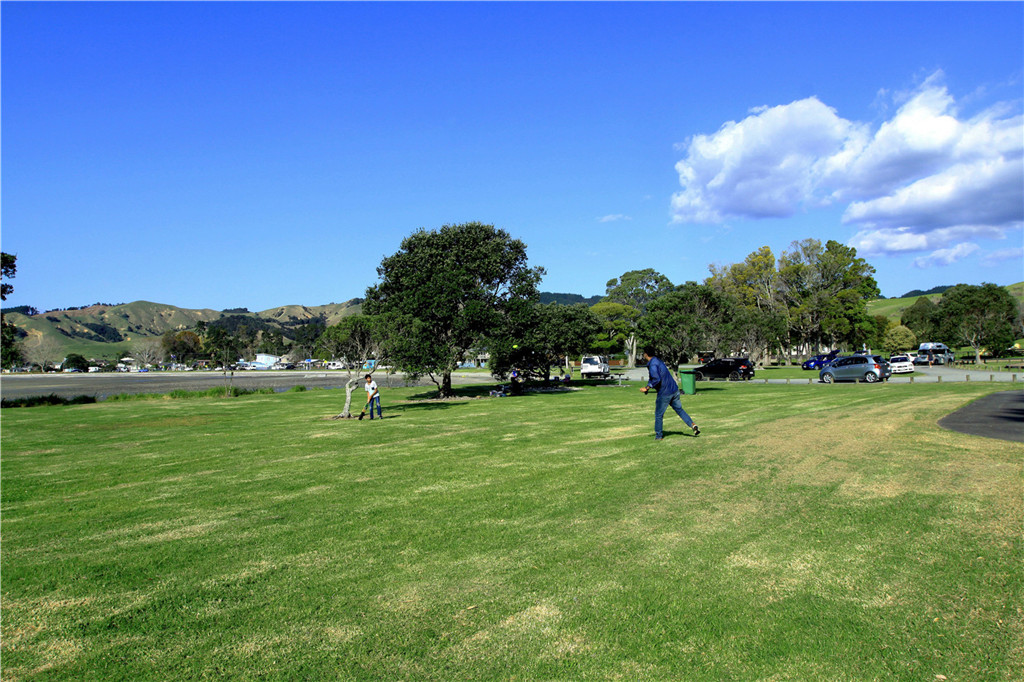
(668, 393)
(372, 396)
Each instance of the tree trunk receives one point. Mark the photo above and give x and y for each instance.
(446, 385)
(350, 388)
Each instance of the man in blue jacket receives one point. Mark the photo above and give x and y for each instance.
(668, 393)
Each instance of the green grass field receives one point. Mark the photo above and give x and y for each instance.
(810, 533)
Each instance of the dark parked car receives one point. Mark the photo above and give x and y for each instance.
(733, 369)
(856, 368)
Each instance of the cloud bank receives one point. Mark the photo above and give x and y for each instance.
(925, 181)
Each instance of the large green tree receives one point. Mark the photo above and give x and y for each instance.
(636, 289)
(694, 318)
(754, 282)
(11, 353)
(826, 290)
(537, 336)
(446, 289)
(182, 346)
(755, 285)
(981, 317)
(921, 319)
(221, 345)
(618, 324)
(77, 362)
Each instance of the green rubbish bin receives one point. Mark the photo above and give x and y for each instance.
(688, 381)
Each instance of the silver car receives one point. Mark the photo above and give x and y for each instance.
(855, 368)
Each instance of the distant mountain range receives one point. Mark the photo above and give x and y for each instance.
(102, 330)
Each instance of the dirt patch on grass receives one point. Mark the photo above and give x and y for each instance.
(536, 628)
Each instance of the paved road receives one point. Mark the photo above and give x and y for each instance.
(101, 385)
(106, 384)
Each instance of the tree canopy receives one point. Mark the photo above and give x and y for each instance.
(537, 336)
(826, 290)
(446, 289)
(981, 317)
(11, 353)
(694, 318)
(920, 318)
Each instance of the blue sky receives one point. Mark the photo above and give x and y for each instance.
(262, 154)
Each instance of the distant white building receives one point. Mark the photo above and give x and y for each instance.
(264, 361)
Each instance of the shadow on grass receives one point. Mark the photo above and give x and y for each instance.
(685, 434)
(462, 393)
(430, 405)
(473, 391)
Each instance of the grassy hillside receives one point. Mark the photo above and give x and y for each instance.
(300, 313)
(893, 307)
(110, 331)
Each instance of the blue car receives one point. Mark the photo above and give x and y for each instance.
(820, 361)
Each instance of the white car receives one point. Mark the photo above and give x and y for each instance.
(594, 366)
(901, 364)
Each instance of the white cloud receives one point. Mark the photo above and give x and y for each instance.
(922, 180)
(946, 256)
(764, 166)
(905, 240)
(614, 218)
(996, 257)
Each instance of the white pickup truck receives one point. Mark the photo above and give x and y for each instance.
(594, 367)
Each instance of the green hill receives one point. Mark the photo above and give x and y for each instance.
(893, 308)
(110, 331)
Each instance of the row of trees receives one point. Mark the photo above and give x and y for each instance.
(465, 287)
(462, 289)
(983, 317)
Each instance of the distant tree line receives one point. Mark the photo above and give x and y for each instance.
(26, 310)
(934, 290)
(568, 299)
(452, 294)
(985, 318)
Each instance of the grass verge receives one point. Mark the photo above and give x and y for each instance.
(809, 533)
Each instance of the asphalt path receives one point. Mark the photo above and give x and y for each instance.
(104, 384)
(999, 415)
